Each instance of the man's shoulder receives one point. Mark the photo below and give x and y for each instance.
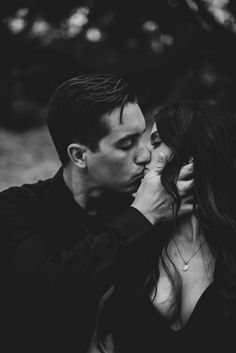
(26, 193)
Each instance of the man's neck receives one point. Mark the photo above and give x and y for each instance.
(84, 193)
(77, 183)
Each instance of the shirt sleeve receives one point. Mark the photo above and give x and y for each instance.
(89, 264)
(129, 226)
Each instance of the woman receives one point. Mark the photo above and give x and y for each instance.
(177, 292)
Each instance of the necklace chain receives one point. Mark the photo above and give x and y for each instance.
(186, 267)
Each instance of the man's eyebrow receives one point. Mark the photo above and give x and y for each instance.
(128, 136)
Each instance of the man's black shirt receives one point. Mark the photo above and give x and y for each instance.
(56, 263)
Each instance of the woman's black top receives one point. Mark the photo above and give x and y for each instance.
(207, 329)
(138, 327)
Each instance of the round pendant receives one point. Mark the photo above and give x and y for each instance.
(185, 268)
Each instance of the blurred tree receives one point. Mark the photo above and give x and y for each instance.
(169, 49)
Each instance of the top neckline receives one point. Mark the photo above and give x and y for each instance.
(193, 314)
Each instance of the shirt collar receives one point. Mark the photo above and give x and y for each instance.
(63, 197)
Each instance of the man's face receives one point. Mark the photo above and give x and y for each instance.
(120, 160)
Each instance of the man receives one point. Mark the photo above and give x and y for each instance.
(61, 237)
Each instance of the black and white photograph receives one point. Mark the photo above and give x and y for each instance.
(118, 176)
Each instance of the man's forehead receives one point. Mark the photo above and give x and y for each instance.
(131, 122)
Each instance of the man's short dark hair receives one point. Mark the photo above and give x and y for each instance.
(78, 105)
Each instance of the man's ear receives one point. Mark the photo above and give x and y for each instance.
(77, 154)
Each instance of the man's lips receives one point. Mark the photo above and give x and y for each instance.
(140, 175)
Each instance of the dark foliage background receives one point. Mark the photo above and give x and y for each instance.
(169, 49)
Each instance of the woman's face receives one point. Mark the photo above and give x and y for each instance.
(157, 146)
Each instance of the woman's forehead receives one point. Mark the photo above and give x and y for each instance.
(154, 128)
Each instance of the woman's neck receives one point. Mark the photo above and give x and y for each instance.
(188, 230)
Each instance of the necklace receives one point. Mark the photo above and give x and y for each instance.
(186, 267)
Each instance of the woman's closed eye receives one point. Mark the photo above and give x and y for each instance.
(155, 139)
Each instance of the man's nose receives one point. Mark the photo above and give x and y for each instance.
(144, 155)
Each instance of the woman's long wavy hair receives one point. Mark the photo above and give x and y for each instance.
(207, 134)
